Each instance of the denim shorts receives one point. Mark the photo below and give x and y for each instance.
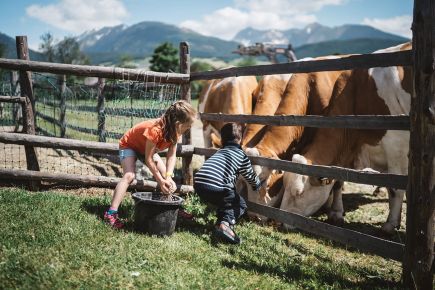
(126, 152)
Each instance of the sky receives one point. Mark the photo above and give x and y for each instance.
(223, 18)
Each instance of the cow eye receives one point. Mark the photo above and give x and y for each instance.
(319, 181)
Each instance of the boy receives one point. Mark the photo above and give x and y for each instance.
(215, 182)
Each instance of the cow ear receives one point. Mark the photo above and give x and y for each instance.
(215, 141)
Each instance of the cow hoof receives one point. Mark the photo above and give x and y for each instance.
(389, 228)
(335, 218)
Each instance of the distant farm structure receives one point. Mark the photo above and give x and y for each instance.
(271, 51)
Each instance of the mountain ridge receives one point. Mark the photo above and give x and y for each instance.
(110, 44)
(313, 33)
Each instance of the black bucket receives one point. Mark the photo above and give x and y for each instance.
(154, 214)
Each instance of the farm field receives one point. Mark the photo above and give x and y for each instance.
(269, 258)
(58, 240)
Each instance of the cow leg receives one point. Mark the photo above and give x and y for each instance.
(395, 199)
(397, 164)
(336, 213)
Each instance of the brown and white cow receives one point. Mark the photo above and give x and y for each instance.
(375, 91)
(306, 93)
(268, 95)
(232, 95)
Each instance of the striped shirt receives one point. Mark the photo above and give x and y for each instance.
(224, 167)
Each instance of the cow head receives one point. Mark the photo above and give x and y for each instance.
(303, 194)
(269, 194)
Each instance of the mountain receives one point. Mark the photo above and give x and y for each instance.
(11, 49)
(361, 45)
(109, 44)
(313, 33)
(140, 40)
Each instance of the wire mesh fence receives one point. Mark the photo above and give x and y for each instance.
(88, 109)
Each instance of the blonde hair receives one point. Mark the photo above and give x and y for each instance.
(180, 111)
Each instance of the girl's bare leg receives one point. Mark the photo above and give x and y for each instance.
(128, 167)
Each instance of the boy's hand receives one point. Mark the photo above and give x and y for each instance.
(263, 183)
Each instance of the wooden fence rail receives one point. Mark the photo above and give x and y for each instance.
(395, 122)
(360, 241)
(72, 144)
(379, 179)
(82, 180)
(94, 71)
(403, 58)
(12, 99)
(373, 178)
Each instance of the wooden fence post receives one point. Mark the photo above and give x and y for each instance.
(418, 264)
(16, 107)
(101, 111)
(28, 108)
(62, 105)
(185, 95)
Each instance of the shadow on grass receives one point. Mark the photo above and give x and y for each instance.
(352, 201)
(305, 271)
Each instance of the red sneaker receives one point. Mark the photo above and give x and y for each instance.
(113, 220)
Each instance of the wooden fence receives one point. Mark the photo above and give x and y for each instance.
(417, 254)
(418, 257)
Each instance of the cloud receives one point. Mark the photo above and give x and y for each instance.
(258, 14)
(400, 25)
(80, 15)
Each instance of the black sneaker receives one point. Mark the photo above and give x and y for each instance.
(225, 232)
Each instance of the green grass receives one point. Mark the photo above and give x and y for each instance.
(56, 240)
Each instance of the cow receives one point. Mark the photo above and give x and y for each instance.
(374, 91)
(305, 93)
(268, 95)
(232, 95)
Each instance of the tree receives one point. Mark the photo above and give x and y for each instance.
(197, 86)
(165, 58)
(68, 51)
(47, 46)
(198, 65)
(2, 54)
(2, 50)
(247, 61)
(126, 61)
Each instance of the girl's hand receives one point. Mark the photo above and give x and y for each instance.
(165, 186)
(173, 186)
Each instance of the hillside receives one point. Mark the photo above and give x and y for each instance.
(140, 40)
(11, 50)
(363, 45)
(313, 33)
(109, 44)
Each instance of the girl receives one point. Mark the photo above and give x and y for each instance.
(149, 137)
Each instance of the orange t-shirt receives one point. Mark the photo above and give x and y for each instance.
(136, 137)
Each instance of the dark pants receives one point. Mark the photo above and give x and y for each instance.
(230, 205)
